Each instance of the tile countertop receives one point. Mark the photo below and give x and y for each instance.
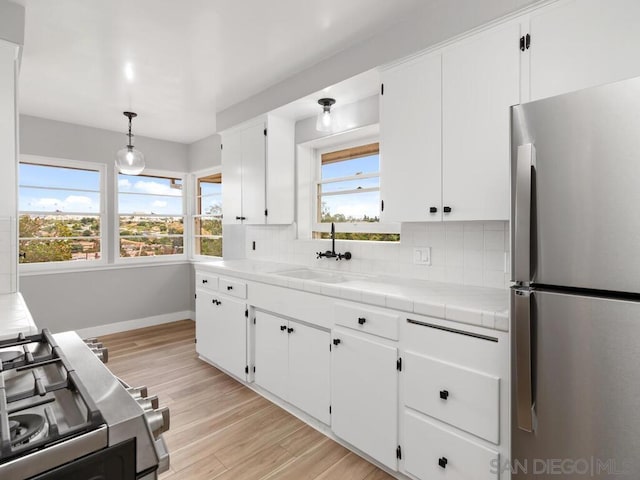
(15, 317)
(482, 306)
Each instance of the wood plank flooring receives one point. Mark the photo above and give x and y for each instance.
(220, 429)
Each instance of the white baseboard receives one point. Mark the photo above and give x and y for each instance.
(118, 327)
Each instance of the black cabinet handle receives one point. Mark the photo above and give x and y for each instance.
(229, 287)
(283, 328)
(290, 330)
(442, 462)
(433, 209)
(216, 302)
(444, 394)
(447, 209)
(205, 281)
(336, 341)
(241, 218)
(362, 320)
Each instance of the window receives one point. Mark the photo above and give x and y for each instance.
(207, 221)
(348, 194)
(151, 215)
(60, 211)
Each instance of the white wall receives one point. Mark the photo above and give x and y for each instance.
(434, 22)
(204, 153)
(64, 301)
(12, 22)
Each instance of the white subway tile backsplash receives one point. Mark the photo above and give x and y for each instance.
(469, 253)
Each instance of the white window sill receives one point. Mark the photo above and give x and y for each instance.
(49, 269)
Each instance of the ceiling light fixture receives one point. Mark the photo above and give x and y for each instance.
(323, 124)
(130, 160)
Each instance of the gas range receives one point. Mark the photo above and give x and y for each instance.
(63, 414)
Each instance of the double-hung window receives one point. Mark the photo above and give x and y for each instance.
(348, 194)
(207, 221)
(151, 213)
(61, 213)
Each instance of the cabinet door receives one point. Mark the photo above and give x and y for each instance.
(280, 184)
(583, 43)
(480, 81)
(253, 174)
(232, 175)
(411, 141)
(271, 353)
(364, 395)
(229, 336)
(205, 318)
(309, 364)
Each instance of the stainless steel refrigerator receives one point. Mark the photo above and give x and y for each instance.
(575, 307)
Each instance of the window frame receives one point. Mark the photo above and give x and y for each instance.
(102, 214)
(178, 257)
(346, 227)
(195, 176)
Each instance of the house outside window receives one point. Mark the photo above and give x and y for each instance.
(207, 221)
(151, 213)
(61, 212)
(348, 194)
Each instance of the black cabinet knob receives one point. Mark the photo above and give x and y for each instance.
(240, 218)
(283, 328)
(290, 330)
(444, 394)
(336, 341)
(447, 209)
(205, 281)
(229, 287)
(442, 462)
(433, 209)
(362, 320)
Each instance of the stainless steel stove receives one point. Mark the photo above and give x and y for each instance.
(64, 415)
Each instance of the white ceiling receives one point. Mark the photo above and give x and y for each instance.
(189, 58)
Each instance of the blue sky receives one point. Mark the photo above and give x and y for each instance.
(137, 194)
(352, 205)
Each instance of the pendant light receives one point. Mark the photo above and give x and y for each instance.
(323, 124)
(130, 160)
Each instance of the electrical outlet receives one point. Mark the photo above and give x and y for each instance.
(422, 256)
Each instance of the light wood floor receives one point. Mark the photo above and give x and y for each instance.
(219, 428)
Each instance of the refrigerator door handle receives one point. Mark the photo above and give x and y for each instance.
(523, 378)
(521, 261)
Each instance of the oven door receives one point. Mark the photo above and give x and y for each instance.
(112, 463)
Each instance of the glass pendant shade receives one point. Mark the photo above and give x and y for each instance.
(130, 161)
(324, 122)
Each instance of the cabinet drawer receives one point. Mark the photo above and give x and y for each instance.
(370, 320)
(207, 281)
(431, 452)
(465, 398)
(235, 288)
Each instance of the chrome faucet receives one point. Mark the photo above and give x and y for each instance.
(332, 253)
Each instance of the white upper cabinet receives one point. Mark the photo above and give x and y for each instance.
(258, 172)
(410, 141)
(480, 81)
(583, 43)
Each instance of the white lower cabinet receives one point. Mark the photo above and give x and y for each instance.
(292, 362)
(364, 394)
(432, 452)
(221, 331)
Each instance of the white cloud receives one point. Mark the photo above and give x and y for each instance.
(72, 203)
(124, 183)
(155, 188)
(159, 204)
